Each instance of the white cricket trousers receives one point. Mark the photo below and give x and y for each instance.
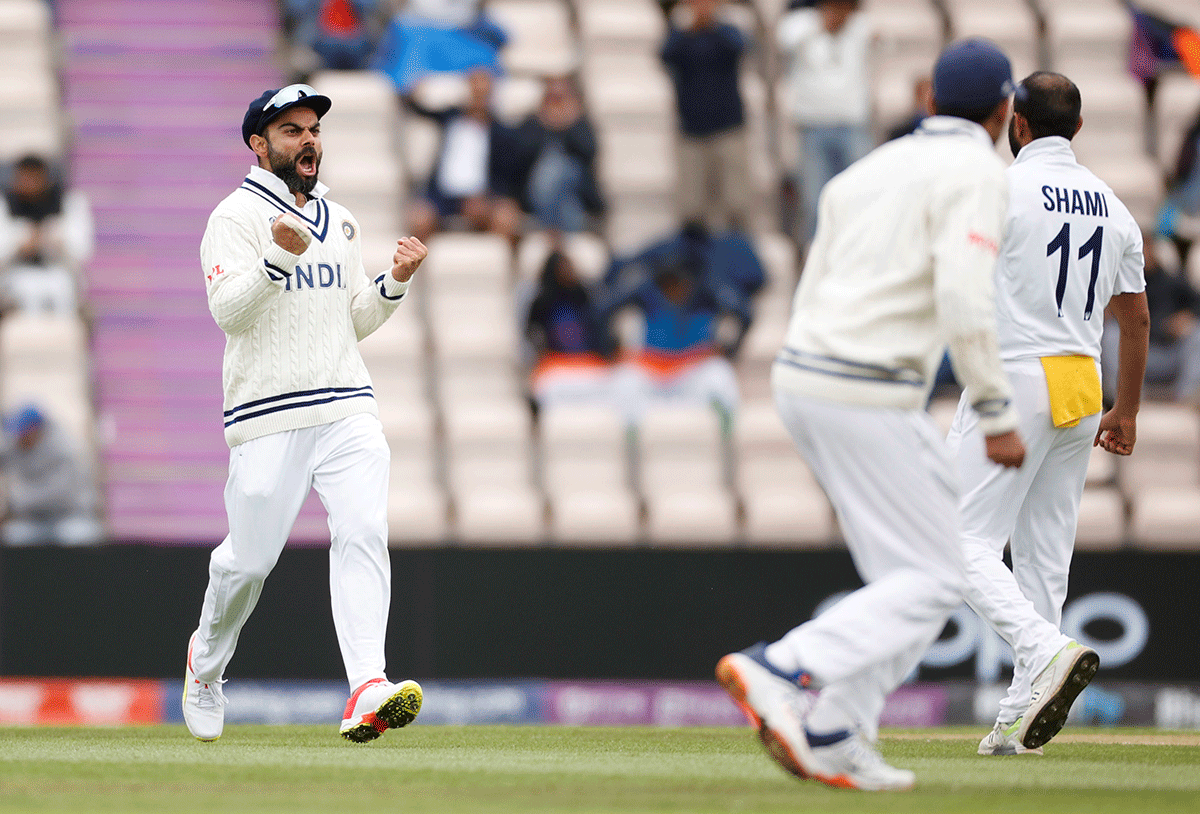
(347, 462)
(891, 481)
(1034, 509)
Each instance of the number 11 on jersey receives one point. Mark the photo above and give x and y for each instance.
(1062, 242)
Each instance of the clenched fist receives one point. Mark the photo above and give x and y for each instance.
(409, 254)
(290, 234)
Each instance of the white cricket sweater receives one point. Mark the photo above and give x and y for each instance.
(902, 265)
(292, 322)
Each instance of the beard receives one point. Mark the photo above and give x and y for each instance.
(284, 166)
(1013, 144)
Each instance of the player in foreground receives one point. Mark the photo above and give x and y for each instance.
(1070, 250)
(902, 261)
(286, 283)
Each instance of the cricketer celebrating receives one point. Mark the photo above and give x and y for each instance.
(286, 283)
(1070, 250)
(902, 263)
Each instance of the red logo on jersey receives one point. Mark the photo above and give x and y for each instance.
(215, 271)
(983, 241)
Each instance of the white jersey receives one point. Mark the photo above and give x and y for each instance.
(902, 266)
(292, 322)
(1069, 246)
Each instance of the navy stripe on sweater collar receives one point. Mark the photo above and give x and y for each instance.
(319, 226)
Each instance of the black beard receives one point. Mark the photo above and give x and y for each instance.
(1012, 137)
(285, 169)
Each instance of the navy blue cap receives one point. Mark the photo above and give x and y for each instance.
(23, 419)
(972, 74)
(274, 102)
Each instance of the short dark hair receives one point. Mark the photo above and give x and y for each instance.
(32, 162)
(1051, 105)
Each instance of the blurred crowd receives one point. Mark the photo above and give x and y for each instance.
(667, 321)
(664, 321)
(46, 236)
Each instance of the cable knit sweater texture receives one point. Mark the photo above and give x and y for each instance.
(292, 322)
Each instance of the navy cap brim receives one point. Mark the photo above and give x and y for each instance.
(257, 119)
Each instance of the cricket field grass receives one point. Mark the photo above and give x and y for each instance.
(557, 769)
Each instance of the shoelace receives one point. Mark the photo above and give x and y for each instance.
(210, 695)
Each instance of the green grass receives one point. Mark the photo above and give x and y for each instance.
(551, 769)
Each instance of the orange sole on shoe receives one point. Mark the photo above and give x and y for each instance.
(729, 678)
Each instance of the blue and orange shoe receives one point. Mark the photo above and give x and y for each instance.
(772, 703)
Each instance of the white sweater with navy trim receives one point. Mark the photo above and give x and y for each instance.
(902, 267)
(292, 322)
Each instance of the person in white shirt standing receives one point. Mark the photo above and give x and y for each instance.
(1071, 249)
(286, 283)
(827, 48)
(902, 263)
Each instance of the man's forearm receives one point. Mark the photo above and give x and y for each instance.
(1131, 369)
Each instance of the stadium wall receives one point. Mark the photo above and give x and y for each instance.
(478, 614)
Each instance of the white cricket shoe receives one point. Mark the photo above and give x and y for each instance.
(854, 763)
(1054, 690)
(773, 704)
(1002, 740)
(203, 704)
(380, 705)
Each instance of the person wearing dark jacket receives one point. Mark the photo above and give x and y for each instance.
(569, 344)
(713, 152)
(725, 263)
(552, 164)
(688, 289)
(470, 177)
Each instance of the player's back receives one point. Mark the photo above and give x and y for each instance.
(1069, 245)
(867, 293)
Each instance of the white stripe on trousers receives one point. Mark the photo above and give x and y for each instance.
(347, 462)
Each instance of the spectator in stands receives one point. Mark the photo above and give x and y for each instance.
(52, 496)
(826, 45)
(46, 235)
(1173, 358)
(335, 34)
(725, 262)
(694, 318)
(922, 99)
(471, 176)
(703, 58)
(1183, 195)
(571, 350)
(430, 36)
(553, 173)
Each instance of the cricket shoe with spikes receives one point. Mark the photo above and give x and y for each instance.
(380, 705)
(1054, 690)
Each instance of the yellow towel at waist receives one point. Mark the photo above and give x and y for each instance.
(1074, 385)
